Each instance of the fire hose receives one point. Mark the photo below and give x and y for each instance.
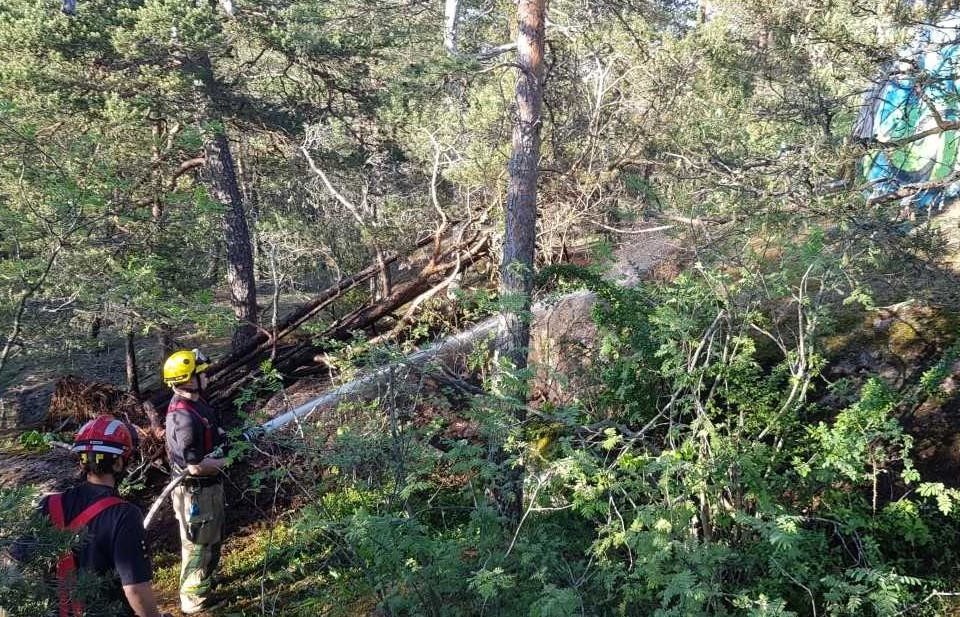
(178, 476)
(457, 345)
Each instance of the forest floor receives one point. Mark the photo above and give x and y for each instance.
(886, 341)
(256, 532)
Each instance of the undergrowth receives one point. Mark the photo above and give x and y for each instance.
(695, 475)
(698, 472)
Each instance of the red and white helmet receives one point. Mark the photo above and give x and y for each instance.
(106, 434)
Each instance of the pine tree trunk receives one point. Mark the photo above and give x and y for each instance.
(516, 269)
(225, 189)
(240, 279)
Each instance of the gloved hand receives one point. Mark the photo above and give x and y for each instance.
(254, 432)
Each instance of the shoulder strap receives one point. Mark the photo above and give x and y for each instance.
(92, 511)
(183, 405)
(55, 508)
(67, 564)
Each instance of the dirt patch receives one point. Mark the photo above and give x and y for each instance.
(25, 406)
(53, 470)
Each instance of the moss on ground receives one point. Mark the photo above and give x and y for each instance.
(274, 569)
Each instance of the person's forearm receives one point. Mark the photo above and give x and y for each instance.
(207, 467)
(141, 599)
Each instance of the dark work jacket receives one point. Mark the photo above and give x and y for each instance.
(185, 432)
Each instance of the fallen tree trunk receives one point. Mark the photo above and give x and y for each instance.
(362, 318)
(431, 275)
(446, 355)
(263, 340)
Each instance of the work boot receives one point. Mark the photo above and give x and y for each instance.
(192, 606)
(196, 606)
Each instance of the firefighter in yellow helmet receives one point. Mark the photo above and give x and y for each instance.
(193, 434)
(182, 365)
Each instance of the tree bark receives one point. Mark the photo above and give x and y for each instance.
(225, 189)
(240, 279)
(133, 383)
(165, 346)
(451, 11)
(156, 203)
(516, 269)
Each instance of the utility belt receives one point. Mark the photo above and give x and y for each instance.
(199, 508)
(202, 481)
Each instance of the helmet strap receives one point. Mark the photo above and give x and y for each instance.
(190, 392)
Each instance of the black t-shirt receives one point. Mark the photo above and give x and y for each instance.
(114, 543)
(185, 433)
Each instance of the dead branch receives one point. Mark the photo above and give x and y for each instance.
(184, 168)
(408, 316)
(263, 340)
(225, 382)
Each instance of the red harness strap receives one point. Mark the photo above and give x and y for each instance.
(182, 405)
(67, 565)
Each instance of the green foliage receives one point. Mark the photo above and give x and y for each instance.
(697, 468)
(628, 376)
(266, 382)
(864, 440)
(22, 586)
(931, 381)
(33, 440)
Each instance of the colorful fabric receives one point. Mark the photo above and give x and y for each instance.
(919, 87)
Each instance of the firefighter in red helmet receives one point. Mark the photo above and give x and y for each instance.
(109, 540)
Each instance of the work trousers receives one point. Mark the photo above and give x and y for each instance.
(200, 513)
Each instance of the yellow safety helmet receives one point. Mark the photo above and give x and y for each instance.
(182, 365)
